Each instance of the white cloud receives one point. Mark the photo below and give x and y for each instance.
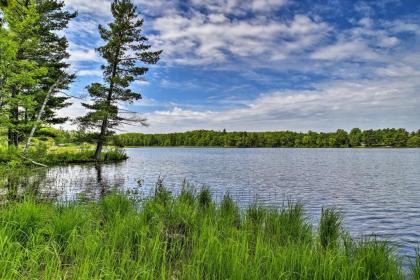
(238, 7)
(101, 7)
(331, 104)
(83, 54)
(398, 70)
(73, 111)
(373, 74)
(201, 39)
(345, 50)
(91, 73)
(267, 5)
(400, 26)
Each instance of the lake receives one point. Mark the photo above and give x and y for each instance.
(376, 190)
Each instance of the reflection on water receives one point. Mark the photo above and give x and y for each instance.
(82, 182)
(377, 190)
(64, 184)
(17, 183)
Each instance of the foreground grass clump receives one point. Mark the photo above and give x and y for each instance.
(187, 237)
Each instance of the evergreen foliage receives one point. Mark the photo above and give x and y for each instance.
(126, 52)
(32, 59)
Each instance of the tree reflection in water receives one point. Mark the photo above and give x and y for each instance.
(58, 183)
(17, 183)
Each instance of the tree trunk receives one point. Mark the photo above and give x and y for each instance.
(39, 116)
(101, 139)
(13, 137)
(104, 126)
(10, 137)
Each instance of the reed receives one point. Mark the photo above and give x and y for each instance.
(329, 228)
(183, 237)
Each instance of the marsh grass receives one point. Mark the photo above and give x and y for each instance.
(183, 237)
(330, 228)
(415, 271)
(53, 155)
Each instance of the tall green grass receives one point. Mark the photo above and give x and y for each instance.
(415, 271)
(184, 237)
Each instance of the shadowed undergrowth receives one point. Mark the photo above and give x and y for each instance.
(184, 237)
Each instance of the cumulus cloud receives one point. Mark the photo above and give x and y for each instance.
(345, 50)
(203, 39)
(331, 104)
(83, 54)
(363, 72)
(92, 6)
(91, 73)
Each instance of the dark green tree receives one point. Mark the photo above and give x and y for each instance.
(32, 64)
(414, 141)
(53, 54)
(126, 53)
(23, 74)
(372, 137)
(355, 137)
(342, 138)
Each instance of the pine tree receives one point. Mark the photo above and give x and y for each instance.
(53, 55)
(21, 79)
(36, 61)
(126, 53)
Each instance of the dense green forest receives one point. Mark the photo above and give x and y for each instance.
(340, 138)
(206, 138)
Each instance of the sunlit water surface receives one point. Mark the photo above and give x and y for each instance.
(377, 190)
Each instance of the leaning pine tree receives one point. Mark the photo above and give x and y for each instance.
(126, 53)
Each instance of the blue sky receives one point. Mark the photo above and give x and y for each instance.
(263, 65)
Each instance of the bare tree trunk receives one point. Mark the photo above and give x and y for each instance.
(39, 116)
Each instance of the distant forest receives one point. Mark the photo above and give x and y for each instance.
(338, 139)
(204, 138)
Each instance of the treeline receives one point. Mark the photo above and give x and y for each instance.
(339, 139)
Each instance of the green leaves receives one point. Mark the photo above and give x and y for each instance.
(31, 61)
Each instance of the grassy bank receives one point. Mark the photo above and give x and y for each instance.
(187, 237)
(56, 155)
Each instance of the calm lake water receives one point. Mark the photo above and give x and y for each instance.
(377, 190)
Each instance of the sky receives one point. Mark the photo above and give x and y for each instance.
(264, 65)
